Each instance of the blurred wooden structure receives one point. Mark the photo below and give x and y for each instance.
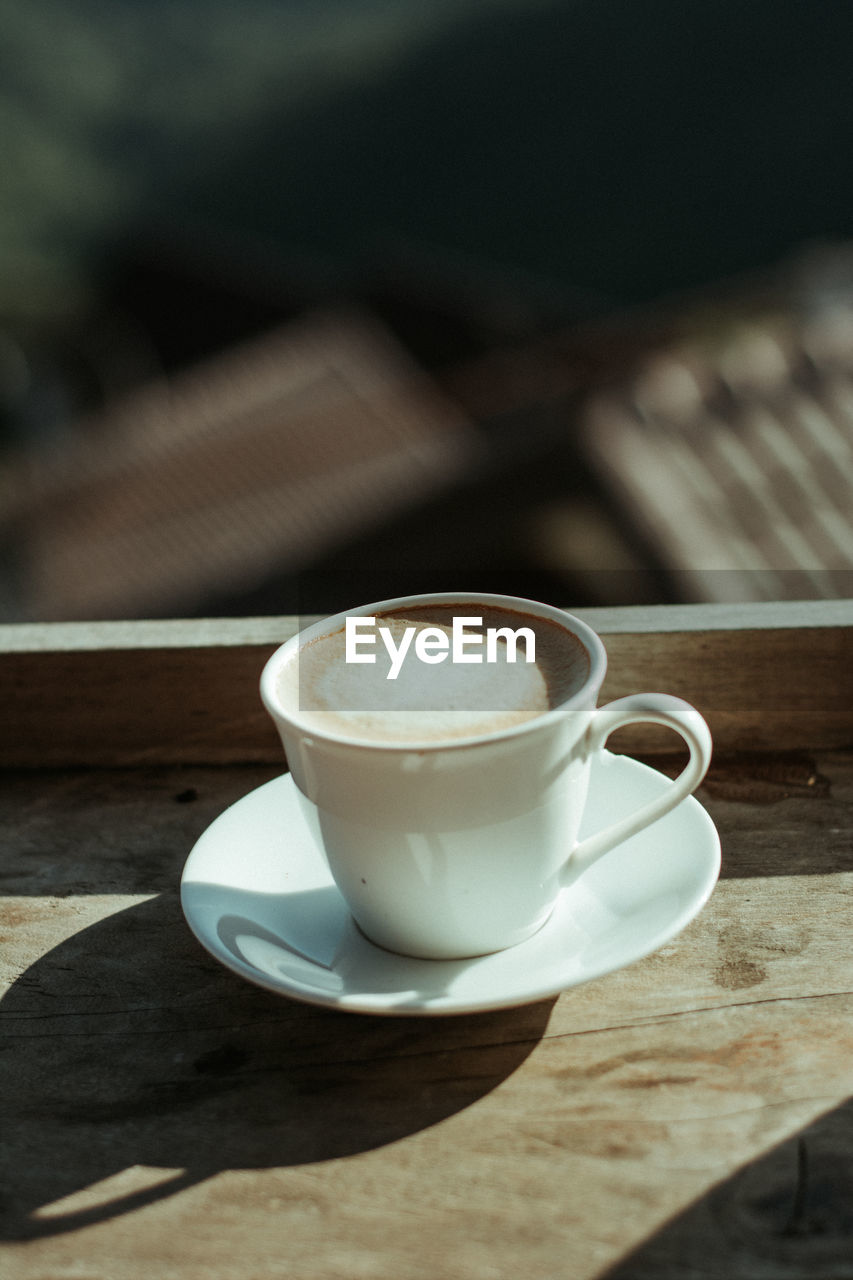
(245, 468)
(708, 438)
(732, 456)
(698, 451)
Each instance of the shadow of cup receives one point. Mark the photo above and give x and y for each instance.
(127, 1045)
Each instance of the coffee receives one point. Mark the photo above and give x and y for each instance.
(429, 697)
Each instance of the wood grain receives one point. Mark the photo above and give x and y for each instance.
(688, 1115)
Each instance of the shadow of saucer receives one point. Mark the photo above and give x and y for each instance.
(128, 1045)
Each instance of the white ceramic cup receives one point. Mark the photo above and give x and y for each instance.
(461, 847)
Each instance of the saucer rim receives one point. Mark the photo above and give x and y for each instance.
(443, 1005)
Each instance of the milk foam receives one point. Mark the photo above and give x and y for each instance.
(429, 702)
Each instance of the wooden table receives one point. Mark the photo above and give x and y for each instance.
(687, 1116)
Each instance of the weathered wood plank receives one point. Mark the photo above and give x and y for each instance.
(124, 693)
(161, 1116)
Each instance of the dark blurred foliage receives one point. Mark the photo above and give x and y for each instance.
(587, 153)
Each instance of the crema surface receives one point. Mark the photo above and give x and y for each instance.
(429, 701)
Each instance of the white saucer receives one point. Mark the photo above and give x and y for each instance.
(258, 895)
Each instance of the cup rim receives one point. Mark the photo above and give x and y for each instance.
(591, 641)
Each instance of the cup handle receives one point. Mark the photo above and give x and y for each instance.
(647, 708)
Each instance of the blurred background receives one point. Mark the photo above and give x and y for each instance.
(304, 303)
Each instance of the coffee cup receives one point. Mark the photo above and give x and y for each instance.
(441, 748)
